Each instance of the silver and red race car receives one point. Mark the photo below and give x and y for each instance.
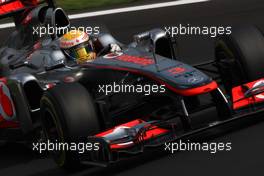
(45, 96)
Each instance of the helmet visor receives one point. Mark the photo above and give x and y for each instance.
(80, 51)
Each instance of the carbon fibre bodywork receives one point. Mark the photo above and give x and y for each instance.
(31, 65)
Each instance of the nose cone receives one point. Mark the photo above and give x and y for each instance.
(183, 76)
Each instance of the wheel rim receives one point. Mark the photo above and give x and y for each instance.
(53, 135)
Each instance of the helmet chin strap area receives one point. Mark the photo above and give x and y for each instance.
(83, 56)
(89, 58)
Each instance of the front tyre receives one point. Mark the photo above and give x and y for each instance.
(240, 56)
(68, 114)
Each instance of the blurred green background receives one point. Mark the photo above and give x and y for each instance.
(74, 5)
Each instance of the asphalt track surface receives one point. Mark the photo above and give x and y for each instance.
(246, 157)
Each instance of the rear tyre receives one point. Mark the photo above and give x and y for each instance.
(68, 114)
(240, 56)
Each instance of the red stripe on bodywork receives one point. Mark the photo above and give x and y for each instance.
(9, 7)
(198, 90)
(239, 99)
(4, 80)
(6, 103)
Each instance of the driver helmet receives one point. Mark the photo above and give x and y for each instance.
(78, 46)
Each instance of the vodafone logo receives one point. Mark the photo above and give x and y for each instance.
(260, 96)
(7, 108)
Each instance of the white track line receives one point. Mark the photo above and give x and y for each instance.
(136, 8)
(123, 10)
(7, 25)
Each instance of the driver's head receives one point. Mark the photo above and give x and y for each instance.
(78, 46)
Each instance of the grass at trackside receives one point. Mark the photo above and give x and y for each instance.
(74, 5)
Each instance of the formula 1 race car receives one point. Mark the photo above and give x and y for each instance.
(42, 91)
